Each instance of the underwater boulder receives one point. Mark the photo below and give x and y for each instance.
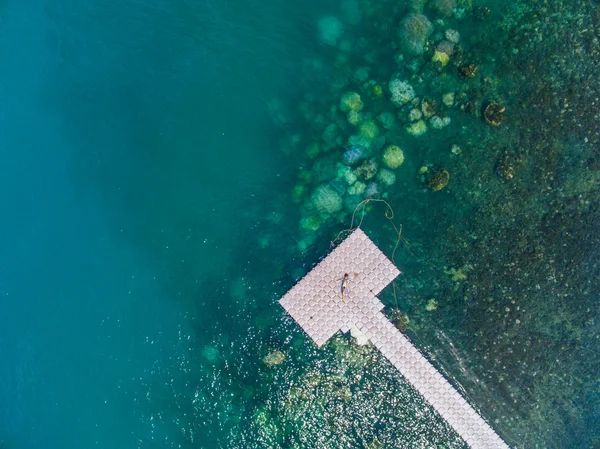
(351, 101)
(372, 190)
(401, 91)
(438, 179)
(386, 177)
(210, 353)
(368, 129)
(361, 74)
(439, 122)
(393, 156)
(386, 119)
(326, 200)
(330, 29)
(274, 358)
(414, 115)
(452, 36)
(298, 192)
(469, 70)
(367, 170)
(414, 31)
(494, 114)
(429, 108)
(310, 223)
(353, 155)
(416, 6)
(312, 150)
(444, 7)
(353, 117)
(431, 305)
(375, 90)
(330, 135)
(448, 99)
(442, 53)
(339, 185)
(361, 142)
(357, 189)
(417, 128)
(346, 173)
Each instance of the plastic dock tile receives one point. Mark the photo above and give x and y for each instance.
(316, 305)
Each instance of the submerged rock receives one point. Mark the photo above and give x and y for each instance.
(357, 189)
(386, 177)
(401, 91)
(339, 185)
(400, 320)
(353, 155)
(443, 51)
(452, 35)
(372, 190)
(393, 156)
(455, 149)
(375, 90)
(386, 119)
(437, 179)
(439, 122)
(368, 129)
(353, 117)
(361, 142)
(330, 135)
(469, 70)
(432, 305)
(481, 12)
(351, 101)
(416, 6)
(448, 99)
(429, 108)
(414, 115)
(506, 167)
(444, 7)
(367, 170)
(417, 128)
(346, 173)
(210, 353)
(326, 200)
(330, 29)
(298, 192)
(274, 358)
(494, 114)
(312, 150)
(361, 74)
(414, 31)
(310, 223)
(457, 274)
(440, 58)
(507, 171)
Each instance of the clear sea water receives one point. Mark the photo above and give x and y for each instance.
(154, 179)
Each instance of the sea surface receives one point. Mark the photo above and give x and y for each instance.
(169, 169)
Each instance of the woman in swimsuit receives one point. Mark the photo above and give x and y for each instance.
(345, 281)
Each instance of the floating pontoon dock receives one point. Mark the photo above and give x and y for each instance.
(316, 305)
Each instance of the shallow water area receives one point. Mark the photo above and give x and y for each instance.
(171, 169)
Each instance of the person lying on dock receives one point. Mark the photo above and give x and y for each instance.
(345, 281)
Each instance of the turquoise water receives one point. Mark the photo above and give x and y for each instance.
(159, 162)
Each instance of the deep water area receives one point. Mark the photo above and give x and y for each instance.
(170, 169)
